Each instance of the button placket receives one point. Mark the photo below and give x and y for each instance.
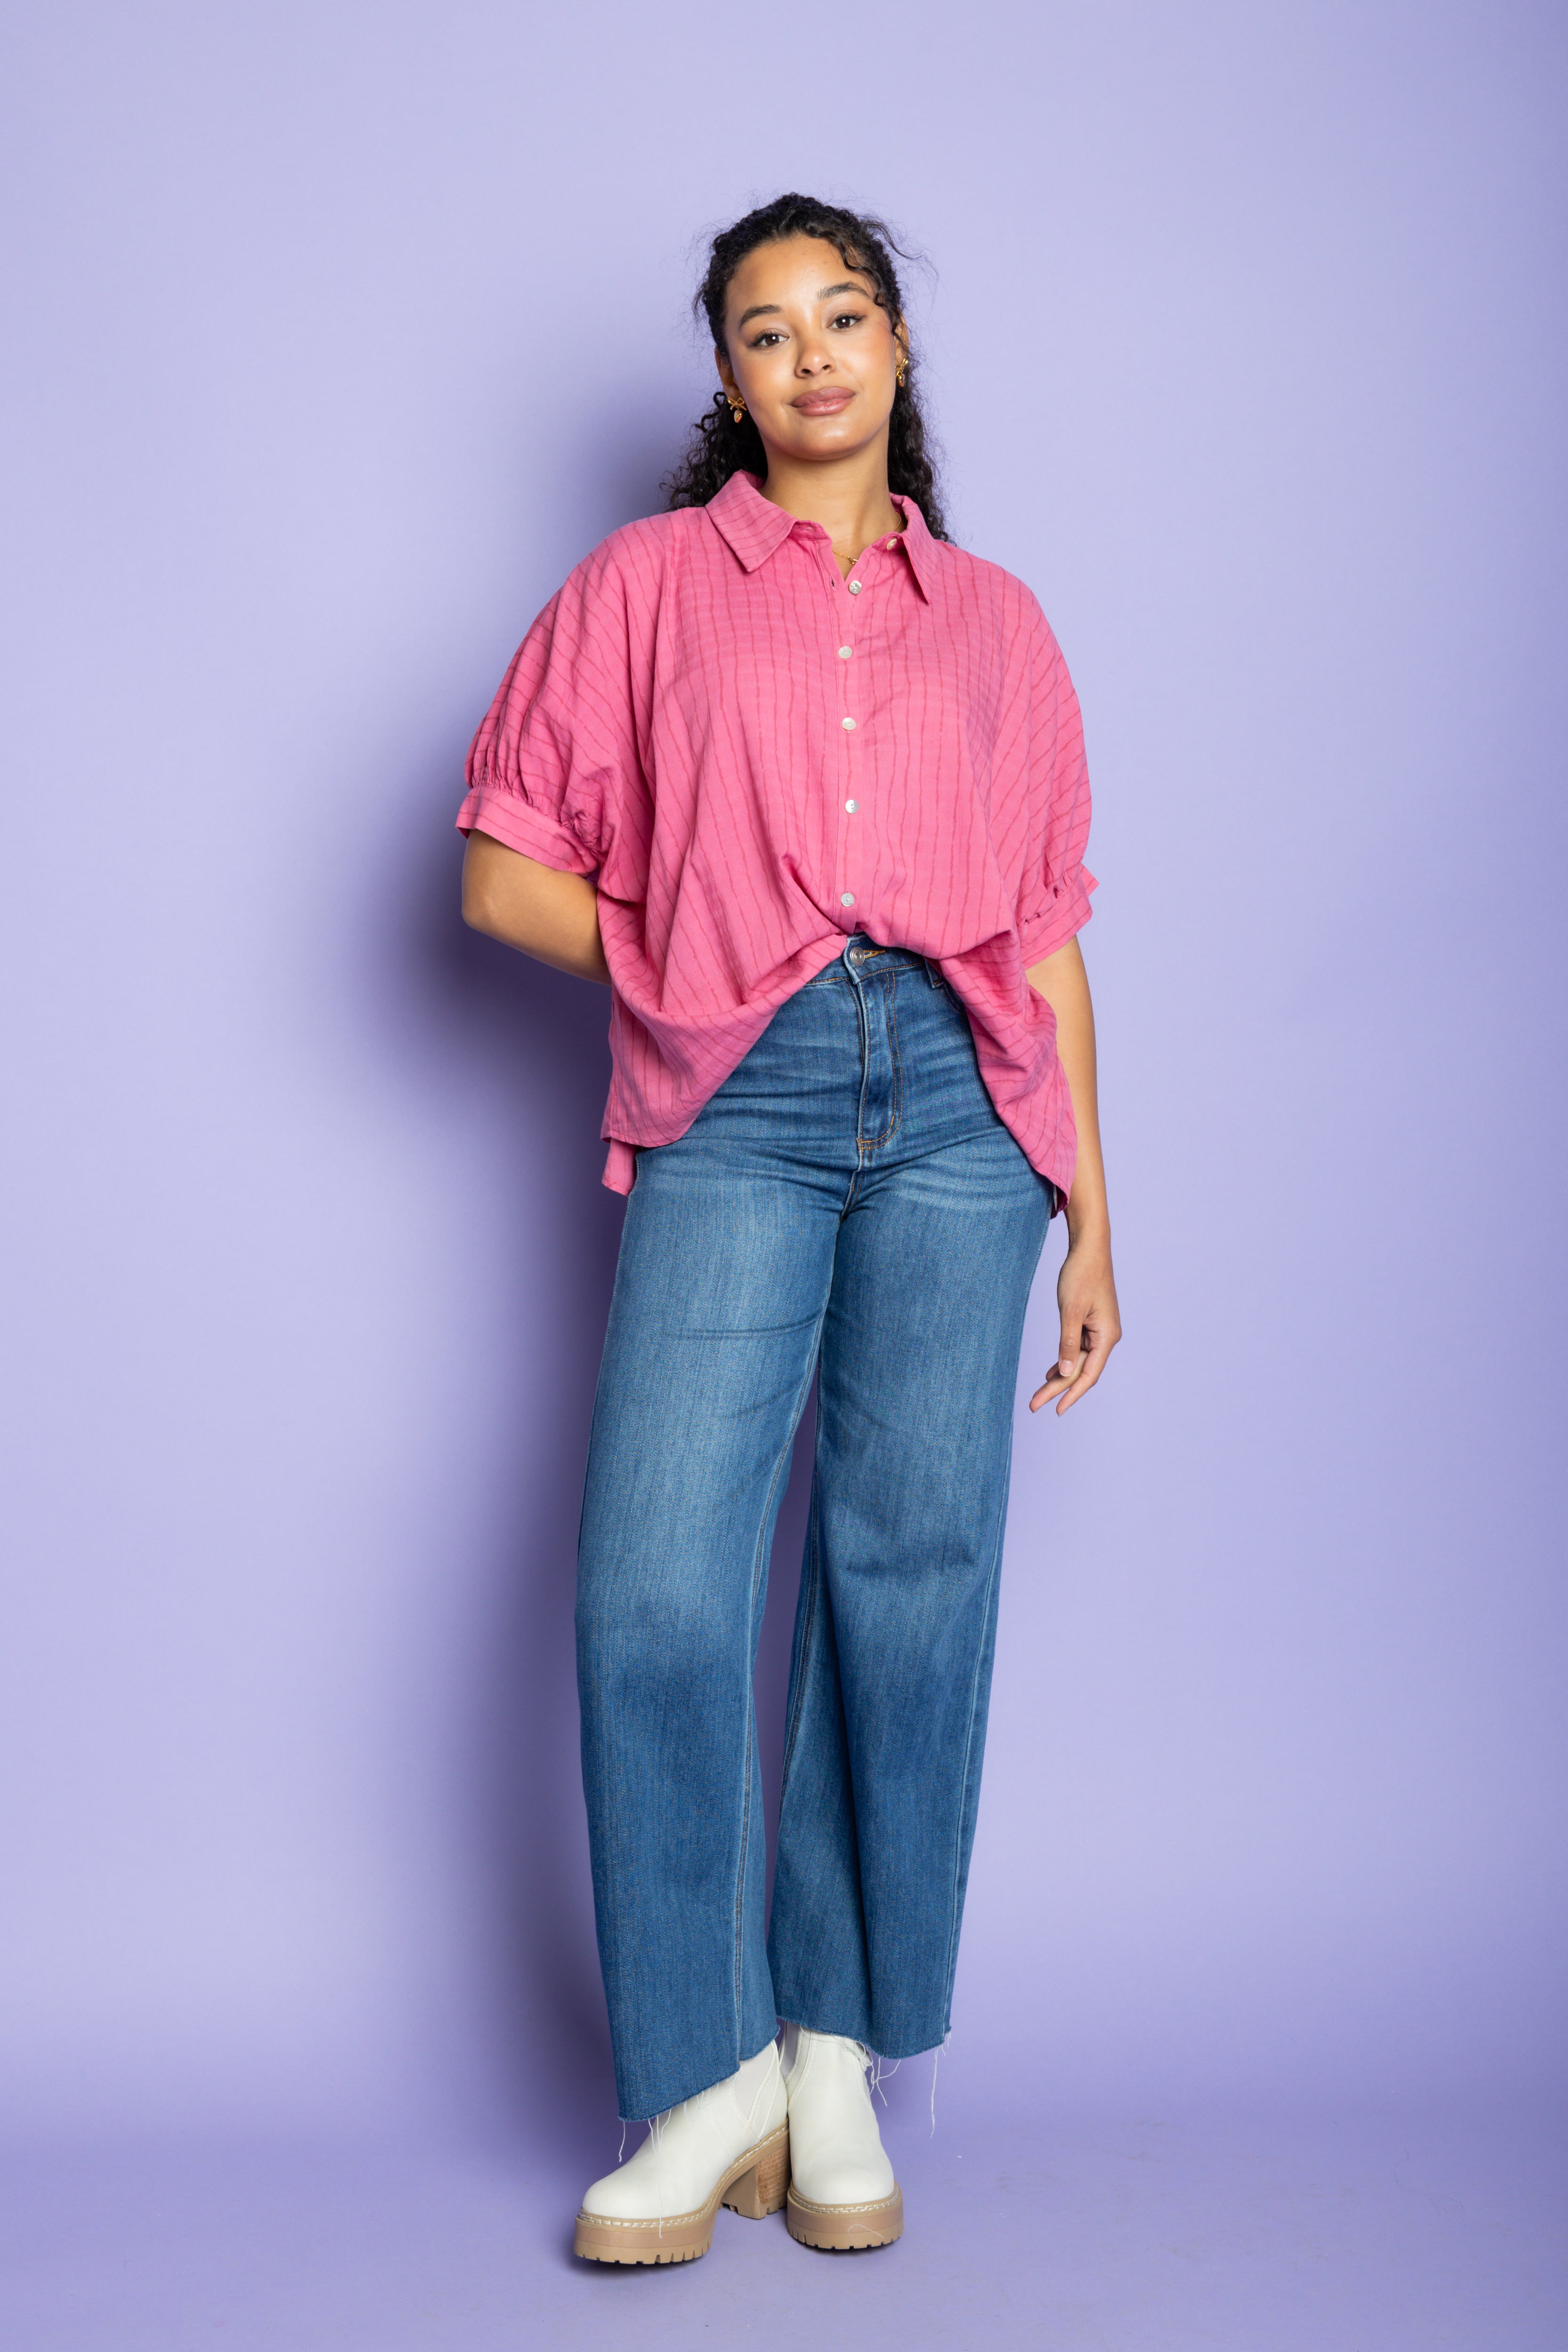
(849, 803)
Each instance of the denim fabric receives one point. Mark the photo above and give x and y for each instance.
(848, 1202)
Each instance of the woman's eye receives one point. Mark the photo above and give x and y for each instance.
(847, 319)
(768, 335)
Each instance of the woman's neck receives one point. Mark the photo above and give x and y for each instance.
(849, 499)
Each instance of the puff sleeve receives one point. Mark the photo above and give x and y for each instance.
(1053, 903)
(547, 768)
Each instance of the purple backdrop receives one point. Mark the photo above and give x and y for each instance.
(348, 330)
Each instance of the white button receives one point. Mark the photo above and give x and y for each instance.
(845, 652)
(847, 898)
(848, 722)
(891, 544)
(853, 807)
(856, 586)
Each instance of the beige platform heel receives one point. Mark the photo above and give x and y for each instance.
(763, 2191)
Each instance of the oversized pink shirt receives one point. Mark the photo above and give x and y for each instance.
(757, 757)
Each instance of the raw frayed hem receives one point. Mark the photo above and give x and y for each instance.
(880, 2069)
(935, 2063)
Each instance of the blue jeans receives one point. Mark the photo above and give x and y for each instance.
(848, 1203)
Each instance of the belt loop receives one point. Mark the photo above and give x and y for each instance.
(932, 975)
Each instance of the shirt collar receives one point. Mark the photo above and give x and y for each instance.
(919, 544)
(755, 529)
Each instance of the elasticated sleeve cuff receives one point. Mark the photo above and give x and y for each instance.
(516, 825)
(1064, 914)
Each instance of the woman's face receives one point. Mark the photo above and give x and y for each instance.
(814, 359)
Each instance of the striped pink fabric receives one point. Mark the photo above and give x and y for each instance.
(758, 757)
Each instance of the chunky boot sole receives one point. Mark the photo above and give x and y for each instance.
(754, 2186)
(844, 2228)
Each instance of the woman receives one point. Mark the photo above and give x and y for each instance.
(805, 785)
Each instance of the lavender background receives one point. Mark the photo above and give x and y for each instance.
(346, 330)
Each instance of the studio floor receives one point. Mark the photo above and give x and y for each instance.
(1144, 2235)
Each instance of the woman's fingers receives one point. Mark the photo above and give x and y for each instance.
(1091, 1328)
(1063, 1372)
(1090, 1365)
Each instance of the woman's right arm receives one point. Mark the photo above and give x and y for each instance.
(546, 913)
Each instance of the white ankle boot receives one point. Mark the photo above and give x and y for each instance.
(729, 2145)
(842, 2192)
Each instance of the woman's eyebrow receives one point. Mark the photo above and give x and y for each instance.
(824, 294)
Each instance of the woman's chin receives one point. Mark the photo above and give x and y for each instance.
(818, 439)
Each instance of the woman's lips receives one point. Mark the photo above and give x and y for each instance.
(822, 404)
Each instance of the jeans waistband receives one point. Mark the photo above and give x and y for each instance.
(861, 952)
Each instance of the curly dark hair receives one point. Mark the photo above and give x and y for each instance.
(718, 447)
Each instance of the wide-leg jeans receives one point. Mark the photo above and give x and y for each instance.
(848, 1202)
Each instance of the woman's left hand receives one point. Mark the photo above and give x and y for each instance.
(1091, 1324)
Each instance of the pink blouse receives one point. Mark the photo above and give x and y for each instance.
(758, 757)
